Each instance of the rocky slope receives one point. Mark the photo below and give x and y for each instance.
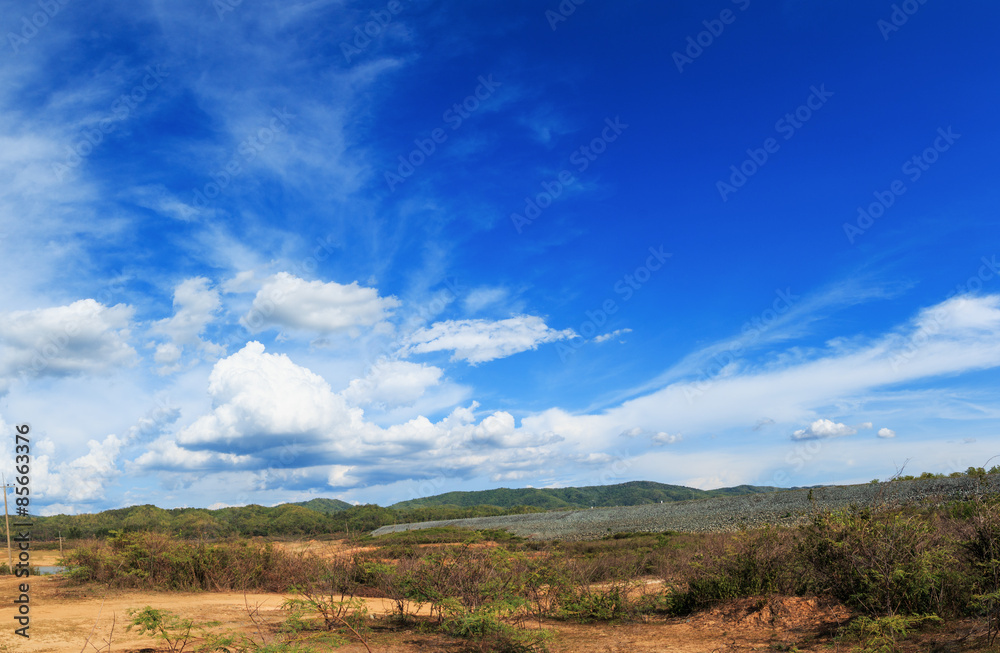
(718, 513)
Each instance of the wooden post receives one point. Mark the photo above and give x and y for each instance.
(60, 544)
(10, 558)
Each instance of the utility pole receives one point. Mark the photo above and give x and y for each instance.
(60, 543)
(6, 518)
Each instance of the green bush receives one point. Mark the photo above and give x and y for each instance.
(883, 562)
(606, 604)
(883, 634)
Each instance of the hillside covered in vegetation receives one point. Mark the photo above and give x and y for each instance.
(321, 516)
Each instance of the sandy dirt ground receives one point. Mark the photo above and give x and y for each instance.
(63, 617)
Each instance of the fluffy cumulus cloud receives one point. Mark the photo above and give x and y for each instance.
(886, 433)
(824, 428)
(262, 401)
(81, 480)
(393, 383)
(285, 424)
(288, 302)
(479, 341)
(82, 338)
(195, 306)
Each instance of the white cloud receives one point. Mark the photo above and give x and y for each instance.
(479, 341)
(614, 334)
(286, 301)
(666, 438)
(284, 421)
(81, 480)
(886, 433)
(82, 338)
(167, 354)
(823, 428)
(796, 387)
(393, 383)
(265, 400)
(195, 306)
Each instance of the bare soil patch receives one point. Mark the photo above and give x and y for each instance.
(63, 617)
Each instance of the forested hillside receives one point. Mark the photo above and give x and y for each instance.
(320, 516)
(634, 493)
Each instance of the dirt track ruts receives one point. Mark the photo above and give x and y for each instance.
(785, 507)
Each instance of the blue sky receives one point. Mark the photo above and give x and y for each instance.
(260, 252)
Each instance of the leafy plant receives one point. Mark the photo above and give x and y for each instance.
(882, 634)
(176, 632)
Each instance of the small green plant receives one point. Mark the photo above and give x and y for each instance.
(487, 630)
(605, 604)
(883, 634)
(176, 632)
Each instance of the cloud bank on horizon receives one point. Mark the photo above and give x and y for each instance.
(264, 252)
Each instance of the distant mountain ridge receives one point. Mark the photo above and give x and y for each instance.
(323, 516)
(632, 493)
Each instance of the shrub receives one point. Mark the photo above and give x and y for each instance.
(758, 563)
(882, 634)
(883, 562)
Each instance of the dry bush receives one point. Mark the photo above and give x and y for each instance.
(155, 561)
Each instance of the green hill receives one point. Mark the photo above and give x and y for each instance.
(624, 494)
